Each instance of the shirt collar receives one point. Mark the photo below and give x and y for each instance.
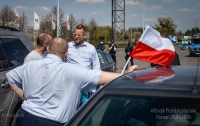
(52, 56)
(84, 43)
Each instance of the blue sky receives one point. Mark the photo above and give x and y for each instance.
(185, 13)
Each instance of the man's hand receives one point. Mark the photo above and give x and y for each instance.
(132, 68)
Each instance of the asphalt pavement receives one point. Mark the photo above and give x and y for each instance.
(184, 58)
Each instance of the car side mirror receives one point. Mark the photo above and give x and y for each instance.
(5, 84)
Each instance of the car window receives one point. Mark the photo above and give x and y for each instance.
(102, 58)
(143, 111)
(109, 58)
(13, 49)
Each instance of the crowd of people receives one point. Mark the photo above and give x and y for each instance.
(53, 77)
(57, 77)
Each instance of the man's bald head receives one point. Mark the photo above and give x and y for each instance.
(43, 38)
(58, 46)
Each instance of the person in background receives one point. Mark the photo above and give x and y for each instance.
(83, 54)
(112, 52)
(52, 87)
(128, 50)
(100, 46)
(39, 51)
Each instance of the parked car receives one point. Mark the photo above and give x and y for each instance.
(184, 47)
(106, 61)
(14, 46)
(157, 96)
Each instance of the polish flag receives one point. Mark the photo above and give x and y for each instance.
(152, 48)
(156, 77)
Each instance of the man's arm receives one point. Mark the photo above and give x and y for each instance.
(14, 80)
(106, 77)
(95, 61)
(17, 90)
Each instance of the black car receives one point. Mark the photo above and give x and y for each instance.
(157, 96)
(106, 61)
(14, 46)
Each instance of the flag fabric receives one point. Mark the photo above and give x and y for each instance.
(152, 48)
(53, 21)
(68, 22)
(156, 77)
(16, 15)
(36, 21)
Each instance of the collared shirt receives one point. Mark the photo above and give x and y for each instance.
(52, 87)
(84, 55)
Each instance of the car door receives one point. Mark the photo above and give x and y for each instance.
(106, 65)
(12, 54)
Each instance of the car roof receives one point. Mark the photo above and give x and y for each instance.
(21, 35)
(182, 81)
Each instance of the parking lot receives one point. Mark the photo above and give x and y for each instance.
(184, 58)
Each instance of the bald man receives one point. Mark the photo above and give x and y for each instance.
(51, 87)
(39, 51)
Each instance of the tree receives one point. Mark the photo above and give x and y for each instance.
(166, 25)
(7, 16)
(23, 22)
(46, 25)
(93, 28)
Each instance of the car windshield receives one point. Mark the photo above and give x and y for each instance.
(143, 111)
(196, 41)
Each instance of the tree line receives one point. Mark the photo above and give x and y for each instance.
(96, 33)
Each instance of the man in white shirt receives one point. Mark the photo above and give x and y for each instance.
(39, 51)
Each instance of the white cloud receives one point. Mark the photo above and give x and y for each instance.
(153, 19)
(132, 3)
(27, 8)
(185, 10)
(167, 1)
(133, 15)
(90, 1)
(97, 13)
(154, 7)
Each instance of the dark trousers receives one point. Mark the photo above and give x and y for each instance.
(131, 60)
(113, 55)
(26, 119)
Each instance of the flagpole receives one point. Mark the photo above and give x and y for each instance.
(58, 19)
(125, 65)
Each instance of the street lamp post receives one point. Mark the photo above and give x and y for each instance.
(143, 13)
(58, 28)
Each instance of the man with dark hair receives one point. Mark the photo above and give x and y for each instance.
(128, 50)
(83, 54)
(39, 51)
(52, 87)
(112, 52)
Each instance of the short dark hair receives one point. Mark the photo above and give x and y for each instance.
(80, 26)
(42, 38)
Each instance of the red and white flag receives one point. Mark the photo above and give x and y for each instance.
(16, 15)
(156, 77)
(152, 48)
(36, 21)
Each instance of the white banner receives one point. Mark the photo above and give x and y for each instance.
(68, 22)
(53, 21)
(36, 21)
(16, 15)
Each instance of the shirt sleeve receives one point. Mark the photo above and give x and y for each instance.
(95, 60)
(15, 76)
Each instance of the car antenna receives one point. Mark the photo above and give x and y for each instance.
(194, 88)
